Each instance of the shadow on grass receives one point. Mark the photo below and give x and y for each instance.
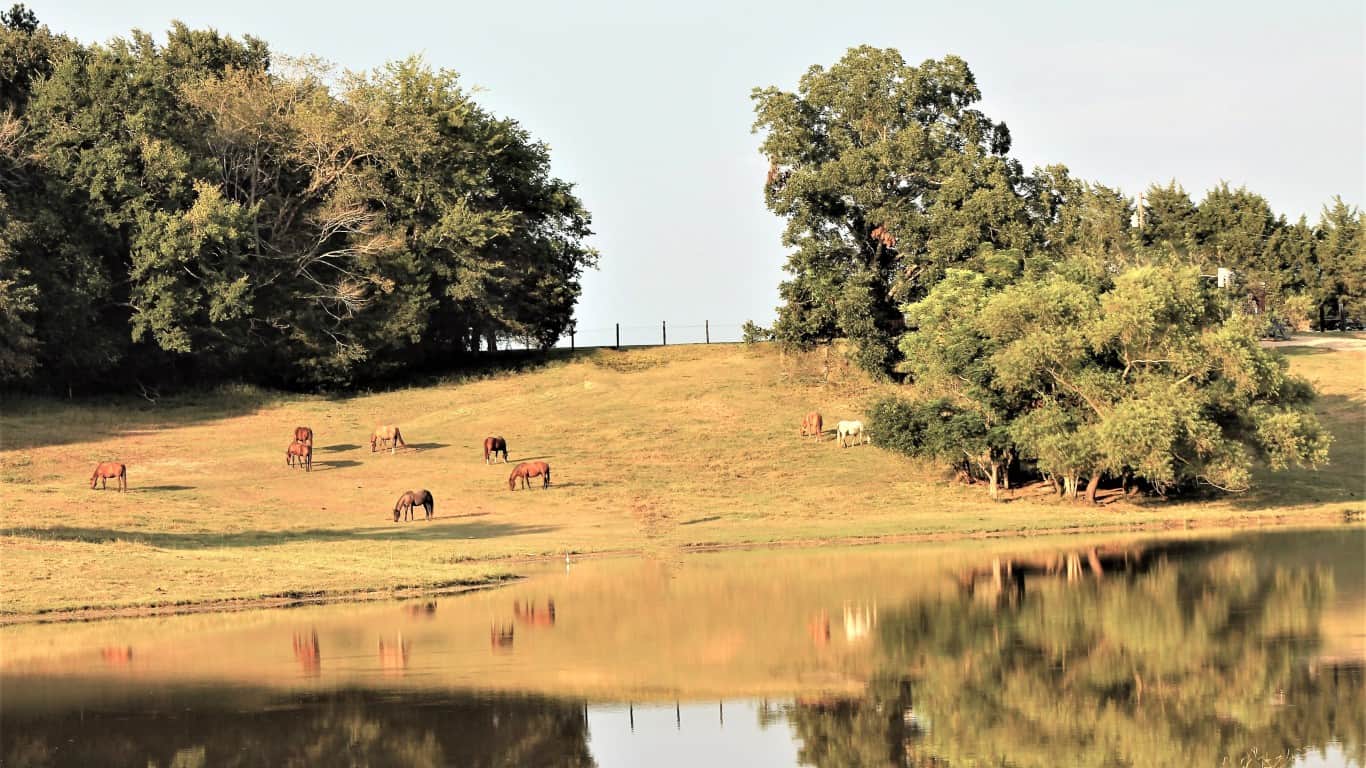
(339, 447)
(337, 464)
(427, 446)
(529, 458)
(160, 488)
(418, 530)
(1343, 480)
(31, 421)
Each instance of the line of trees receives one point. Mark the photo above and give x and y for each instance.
(202, 208)
(888, 177)
(1046, 324)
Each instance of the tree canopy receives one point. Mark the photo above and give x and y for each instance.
(200, 207)
(888, 177)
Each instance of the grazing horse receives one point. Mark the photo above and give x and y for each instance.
(107, 469)
(407, 501)
(387, 434)
(301, 454)
(303, 435)
(527, 470)
(853, 430)
(494, 446)
(812, 425)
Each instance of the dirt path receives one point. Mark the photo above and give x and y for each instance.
(1346, 343)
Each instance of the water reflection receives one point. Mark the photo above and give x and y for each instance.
(1244, 650)
(1159, 662)
(184, 729)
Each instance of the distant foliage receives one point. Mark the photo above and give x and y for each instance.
(888, 177)
(201, 208)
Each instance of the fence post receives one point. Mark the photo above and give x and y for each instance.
(618, 346)
(707, 325)
(664, 331)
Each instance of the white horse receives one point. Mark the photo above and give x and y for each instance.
(851, 429)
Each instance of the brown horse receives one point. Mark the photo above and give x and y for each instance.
(303, 435)
(301, 454)
(387, 434)
(495, 446)
(407, 501)
(107, 469)
(527, 470)
(812, 425)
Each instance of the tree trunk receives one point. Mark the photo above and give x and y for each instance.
(993, 469)
(492, 339)
(1057, 489)
(1092, 485)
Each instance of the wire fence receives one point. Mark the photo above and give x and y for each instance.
(662, 333)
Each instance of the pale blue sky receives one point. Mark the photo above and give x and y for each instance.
(646, 107)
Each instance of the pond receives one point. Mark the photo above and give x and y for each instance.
(1238, 649)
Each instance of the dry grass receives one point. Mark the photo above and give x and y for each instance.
(652, 449)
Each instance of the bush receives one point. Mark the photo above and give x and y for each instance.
(899, 424)
(753, 333)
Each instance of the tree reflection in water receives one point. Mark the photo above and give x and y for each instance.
(1160, 662)
(346, 728)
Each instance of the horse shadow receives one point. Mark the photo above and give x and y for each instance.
(156, 488)
(339, 447)
(695, 521)
(339, 464)
(427, 446)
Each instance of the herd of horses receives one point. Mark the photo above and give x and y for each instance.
(299, 454)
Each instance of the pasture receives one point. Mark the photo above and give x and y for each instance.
(653, 450)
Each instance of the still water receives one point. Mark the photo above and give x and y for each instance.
(1237, 649)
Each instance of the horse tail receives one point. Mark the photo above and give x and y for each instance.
(547, 476)
(398, 438)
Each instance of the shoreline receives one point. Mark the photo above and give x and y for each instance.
(367, 595)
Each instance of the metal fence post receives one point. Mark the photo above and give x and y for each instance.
(707, 325)
(618, 346)
(664, 331)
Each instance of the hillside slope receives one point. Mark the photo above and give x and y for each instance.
(651, 449)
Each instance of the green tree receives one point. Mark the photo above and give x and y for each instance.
(887, 176)
(1148, 373)
(1340, 280)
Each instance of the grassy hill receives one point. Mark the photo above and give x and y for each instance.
(651, 449)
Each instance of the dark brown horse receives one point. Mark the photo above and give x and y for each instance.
(407, 501)
(300, 454)
(303, 435)
(107, 469)
(527, 470)
(494, 446)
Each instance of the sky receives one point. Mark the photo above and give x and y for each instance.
(646, 107)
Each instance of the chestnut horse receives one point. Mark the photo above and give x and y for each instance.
(407, 501)
(300, 453)
(812, 425)
(303, 435)
(106, 470)
(387, 433)
(527, 470)
(494, 446)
